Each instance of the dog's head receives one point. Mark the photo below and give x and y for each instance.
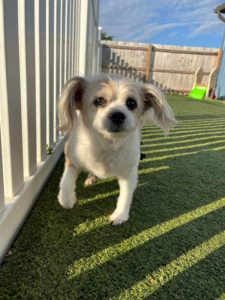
(113, 107)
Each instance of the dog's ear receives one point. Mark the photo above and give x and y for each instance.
(156, 108)
(70, 100)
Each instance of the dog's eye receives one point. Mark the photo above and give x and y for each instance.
(99, 102)
(131, 103)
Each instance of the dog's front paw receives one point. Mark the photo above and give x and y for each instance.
(67, 200)
(118, 218)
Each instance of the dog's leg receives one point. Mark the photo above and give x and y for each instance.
(67, 196)
(127, 187)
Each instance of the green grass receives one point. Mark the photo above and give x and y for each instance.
(172, 247)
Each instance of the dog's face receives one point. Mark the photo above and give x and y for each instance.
(112, 107)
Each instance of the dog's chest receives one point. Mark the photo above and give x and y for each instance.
(107, 162)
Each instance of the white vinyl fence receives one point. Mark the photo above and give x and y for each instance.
(43, 43)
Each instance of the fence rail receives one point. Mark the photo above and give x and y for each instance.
(43, 43)
(170, 67)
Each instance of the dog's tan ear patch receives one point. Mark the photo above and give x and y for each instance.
(70, 100)
(156, 108)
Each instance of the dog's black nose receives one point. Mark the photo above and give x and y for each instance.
(117, 117)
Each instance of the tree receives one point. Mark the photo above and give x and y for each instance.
(105, 36)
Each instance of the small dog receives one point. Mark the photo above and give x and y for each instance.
(104, 117)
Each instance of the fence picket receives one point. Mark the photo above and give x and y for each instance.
(10, 108)
(49, 70)
(27, 84)
(2, 203)
(77, 41)
(56, 66)
(69, 37)
(66, 43)
(40, 69)
(73, 39)
(83, 36)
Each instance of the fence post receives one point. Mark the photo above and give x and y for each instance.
(49, 70)
(83, 35)
(56, 65)
(10, 108)
(77, 35)
(66, 43)
(62, 41)
(40, 69)
(2, 204)
(148, 62)
(99, 57)
(73, 39)
(27, 84)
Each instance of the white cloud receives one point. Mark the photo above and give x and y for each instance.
(141, 20)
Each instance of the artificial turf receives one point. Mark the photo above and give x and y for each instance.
(172, 247)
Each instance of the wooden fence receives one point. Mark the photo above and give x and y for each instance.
(169, 67)
(38, 54)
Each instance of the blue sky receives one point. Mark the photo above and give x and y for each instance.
(172, 22)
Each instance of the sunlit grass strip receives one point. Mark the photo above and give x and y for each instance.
(90, 225)
(177, 132)
(152, 170)
(203, 121)
(197, 121)
(103, 220)
(164, 274)
(164, 138)
(213, 119)
(168, 156)
(182, 126)
(187, 123)
(101, 257)
(185, 147)
(182, 142)
(218, 148)
(98, 197)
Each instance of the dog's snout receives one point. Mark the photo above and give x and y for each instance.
(117, 117)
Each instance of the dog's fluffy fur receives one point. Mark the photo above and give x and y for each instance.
(104, 134)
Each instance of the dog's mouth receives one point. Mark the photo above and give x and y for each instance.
(115, 129)
(112, 128)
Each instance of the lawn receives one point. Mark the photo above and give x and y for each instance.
(172, 247)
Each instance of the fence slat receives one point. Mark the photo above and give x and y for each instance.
(56, 66)
(40, 69)
(27, 84)
(2, 204)
(77, 35)
(66, 43)
(62, 48)
(69, 37)
(49, 70)
(99, 58)
(72, 39)
(83, 35)
(10, 108)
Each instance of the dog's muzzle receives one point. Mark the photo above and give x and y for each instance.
(116, 121)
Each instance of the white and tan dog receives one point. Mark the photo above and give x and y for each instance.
(104, 117)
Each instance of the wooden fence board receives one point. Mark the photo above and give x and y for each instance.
(170, 67)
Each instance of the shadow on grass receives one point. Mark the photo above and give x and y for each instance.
(57, 256)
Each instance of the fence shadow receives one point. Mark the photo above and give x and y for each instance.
(113, 64)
